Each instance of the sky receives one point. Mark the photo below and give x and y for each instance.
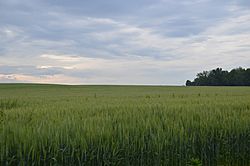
(151, 42)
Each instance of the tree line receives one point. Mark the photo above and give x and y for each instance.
(219, 77)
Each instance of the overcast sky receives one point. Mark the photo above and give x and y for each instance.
(121, 41)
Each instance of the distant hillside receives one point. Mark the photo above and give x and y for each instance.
(219, 77)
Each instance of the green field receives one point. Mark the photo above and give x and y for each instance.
(124, 125)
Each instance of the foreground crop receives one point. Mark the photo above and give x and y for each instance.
(123, 125)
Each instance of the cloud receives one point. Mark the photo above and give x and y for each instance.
(114, 41)
(63, 58)
(59, 79)
(31, 70)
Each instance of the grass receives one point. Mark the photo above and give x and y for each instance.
(124, 125)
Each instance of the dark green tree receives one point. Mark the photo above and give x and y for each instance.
(220, 77)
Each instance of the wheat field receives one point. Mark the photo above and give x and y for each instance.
(124, 125)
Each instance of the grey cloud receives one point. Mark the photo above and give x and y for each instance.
(42, 71)
(30, 70)
(161, 30)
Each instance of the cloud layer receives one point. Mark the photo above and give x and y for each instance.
(121, 42)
